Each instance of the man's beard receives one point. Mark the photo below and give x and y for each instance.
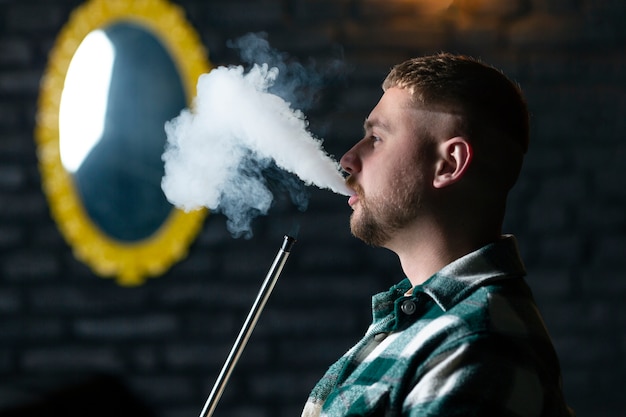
(377, 217)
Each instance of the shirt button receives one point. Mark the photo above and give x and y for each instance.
(408, 307)
(379, 337)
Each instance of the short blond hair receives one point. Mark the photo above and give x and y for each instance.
(492, 111)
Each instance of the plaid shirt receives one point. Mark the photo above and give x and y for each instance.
(467, 342)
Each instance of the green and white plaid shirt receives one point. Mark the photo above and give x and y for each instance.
(468, 342)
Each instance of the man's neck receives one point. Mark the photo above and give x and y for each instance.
(424, 252)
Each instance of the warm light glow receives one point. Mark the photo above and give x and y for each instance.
(84, 99)
(433, 6)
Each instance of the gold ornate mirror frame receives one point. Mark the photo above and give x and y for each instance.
(129, 262)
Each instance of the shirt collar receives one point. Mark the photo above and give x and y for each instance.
(495, 261)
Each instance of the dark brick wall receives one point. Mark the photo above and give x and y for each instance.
(166, 340)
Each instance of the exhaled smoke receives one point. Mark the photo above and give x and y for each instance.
(217, 153)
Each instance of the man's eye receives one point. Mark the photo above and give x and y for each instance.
(375, 138)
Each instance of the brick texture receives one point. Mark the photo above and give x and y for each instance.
(166, 340)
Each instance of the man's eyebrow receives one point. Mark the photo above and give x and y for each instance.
(368, 124)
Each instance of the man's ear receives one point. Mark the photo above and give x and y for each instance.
(453, 159)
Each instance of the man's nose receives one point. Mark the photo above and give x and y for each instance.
(350, 161)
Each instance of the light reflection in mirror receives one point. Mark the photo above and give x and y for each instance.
(84, 99)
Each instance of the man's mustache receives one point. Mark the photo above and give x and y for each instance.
(352, 183)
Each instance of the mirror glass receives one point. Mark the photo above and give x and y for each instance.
(120, 89)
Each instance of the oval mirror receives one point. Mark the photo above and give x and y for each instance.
(117, 72)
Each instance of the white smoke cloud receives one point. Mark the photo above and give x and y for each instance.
(217, 153)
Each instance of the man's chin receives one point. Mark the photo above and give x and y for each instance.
(368, 233)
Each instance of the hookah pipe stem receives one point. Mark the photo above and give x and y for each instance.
(248, 326)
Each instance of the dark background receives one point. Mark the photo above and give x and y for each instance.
(68, 334)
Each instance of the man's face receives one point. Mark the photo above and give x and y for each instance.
(389, 169)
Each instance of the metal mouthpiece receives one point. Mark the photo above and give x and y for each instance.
(288, 243)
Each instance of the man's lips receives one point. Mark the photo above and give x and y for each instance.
(355, 190)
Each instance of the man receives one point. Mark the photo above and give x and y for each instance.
(461, 335)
